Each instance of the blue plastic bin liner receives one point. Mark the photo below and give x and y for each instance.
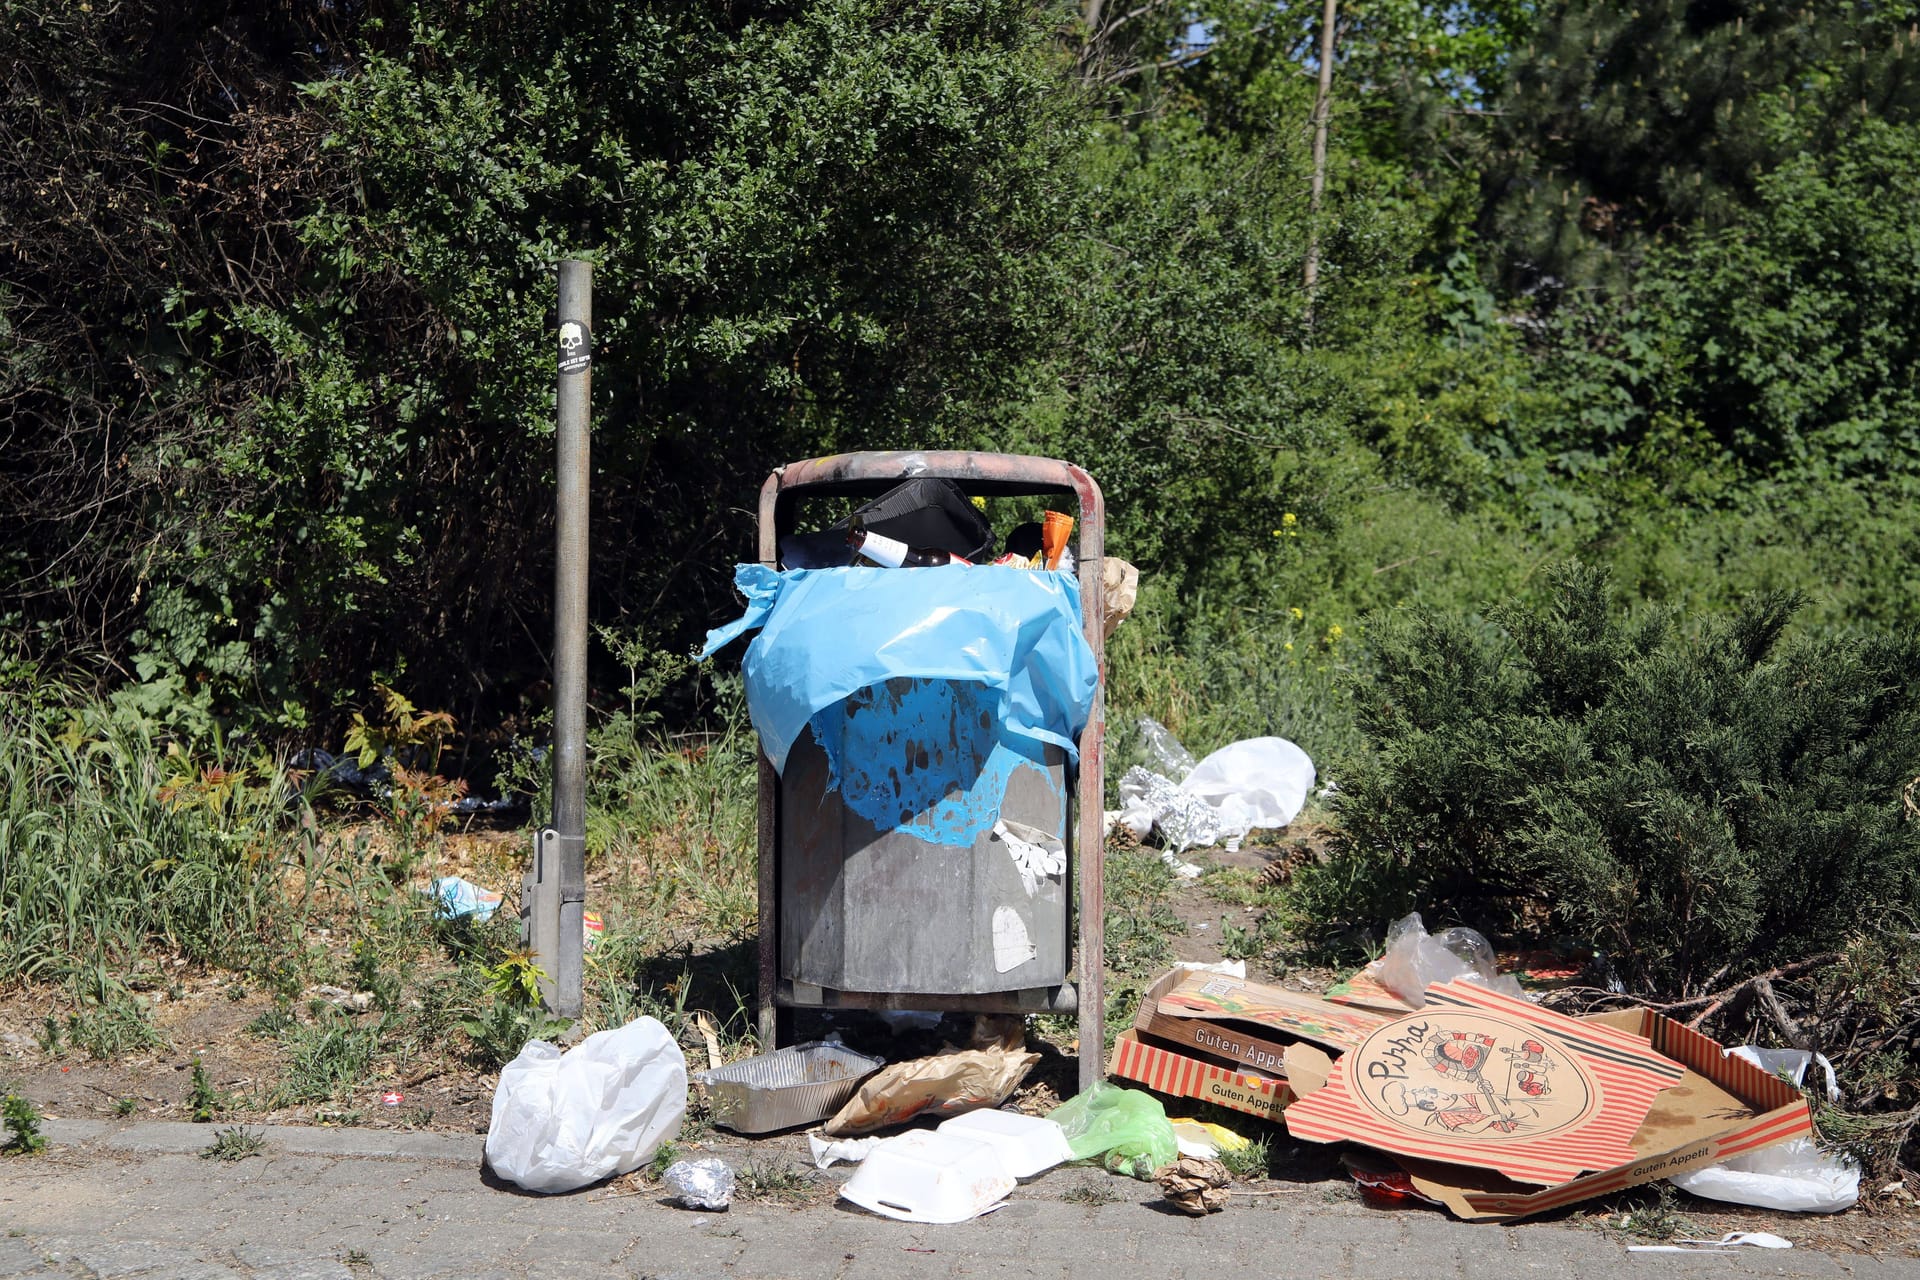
(929, 758)
(826, 634)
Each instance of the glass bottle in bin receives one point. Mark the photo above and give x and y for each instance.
(891, 553)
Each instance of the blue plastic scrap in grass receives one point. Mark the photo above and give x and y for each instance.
(826, 634)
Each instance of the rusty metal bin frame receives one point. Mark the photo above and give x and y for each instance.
(866, 475)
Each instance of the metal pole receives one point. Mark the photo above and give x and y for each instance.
(570, 637)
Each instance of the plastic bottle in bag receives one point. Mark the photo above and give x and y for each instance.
(891, 553)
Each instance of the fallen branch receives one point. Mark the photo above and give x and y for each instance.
(1715, 1000)
(1781, 1018)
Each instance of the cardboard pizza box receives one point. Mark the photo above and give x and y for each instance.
(1183, 1076)
(1715, 1107)
(1247, 1022)
(1238, 1046)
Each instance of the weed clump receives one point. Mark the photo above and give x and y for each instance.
(23, 1126)
(234, 1144)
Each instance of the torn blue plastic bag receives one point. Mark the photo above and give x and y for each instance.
(458, 898)
(827, 634)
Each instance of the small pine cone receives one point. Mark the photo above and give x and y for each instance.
(1281, 869)
(1195, 1186)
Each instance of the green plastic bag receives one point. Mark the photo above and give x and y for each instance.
(1128, 1129)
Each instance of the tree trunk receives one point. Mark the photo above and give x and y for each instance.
(1322, 104)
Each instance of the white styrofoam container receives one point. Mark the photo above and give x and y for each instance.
(929, 1176)
(1027, 1144)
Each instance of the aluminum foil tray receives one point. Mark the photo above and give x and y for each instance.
(788, 1087)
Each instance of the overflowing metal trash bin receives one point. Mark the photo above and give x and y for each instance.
(931, 774)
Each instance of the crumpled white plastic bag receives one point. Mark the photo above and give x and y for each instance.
(1794, 1177)
(564, 1120)
(1256, 783)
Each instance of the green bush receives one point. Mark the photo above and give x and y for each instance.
(1690, 800)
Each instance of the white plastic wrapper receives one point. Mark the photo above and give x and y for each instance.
(830, 1151)
(1256, 783)
(1795, 1177)
(564, 1120)
(700, 1184)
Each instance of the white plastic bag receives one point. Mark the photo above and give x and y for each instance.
(1254, 783)
(1796, 1176)
(564, 1120)
(1415, 959)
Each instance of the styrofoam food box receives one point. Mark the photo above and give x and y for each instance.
(1027, 1144)
(929, 1176)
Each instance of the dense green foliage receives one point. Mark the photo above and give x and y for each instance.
(1628, 283)
(1693, 804)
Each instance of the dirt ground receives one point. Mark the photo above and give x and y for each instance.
(208, 1015)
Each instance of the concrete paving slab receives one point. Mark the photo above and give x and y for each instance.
(135, 1202)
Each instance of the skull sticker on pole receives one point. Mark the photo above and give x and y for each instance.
(575, 347)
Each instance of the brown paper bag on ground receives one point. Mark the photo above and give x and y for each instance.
(946, 1084)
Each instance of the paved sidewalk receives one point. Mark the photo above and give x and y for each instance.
(323, 1204)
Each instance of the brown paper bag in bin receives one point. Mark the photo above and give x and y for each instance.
(946, 1084)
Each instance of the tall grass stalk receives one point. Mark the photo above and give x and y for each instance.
(112, 843)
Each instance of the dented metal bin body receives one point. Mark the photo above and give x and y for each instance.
(892, 880)
(885, 888)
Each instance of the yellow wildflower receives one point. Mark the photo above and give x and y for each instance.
(1297, 612)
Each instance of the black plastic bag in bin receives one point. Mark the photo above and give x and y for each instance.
(924, 513)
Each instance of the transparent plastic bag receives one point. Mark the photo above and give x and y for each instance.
(1165, 755)
(1127, 1129)
(1415, 959)
(564, 1120)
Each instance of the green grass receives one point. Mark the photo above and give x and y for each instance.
(201, 1099)
(119, 1025)
(326, 1058)
(112, 847)
(1249, 1163)
(1141, 923)
(234, 1144)
(1656, 1217)
(771, 1181)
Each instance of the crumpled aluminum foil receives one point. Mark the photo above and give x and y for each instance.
(1185, 821)
(700, 1184)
